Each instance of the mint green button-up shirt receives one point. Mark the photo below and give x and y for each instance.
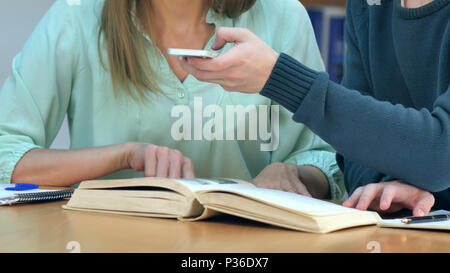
(59, 73)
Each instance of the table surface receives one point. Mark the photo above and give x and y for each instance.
(46, 227)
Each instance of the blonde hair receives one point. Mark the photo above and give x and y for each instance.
(126, 46)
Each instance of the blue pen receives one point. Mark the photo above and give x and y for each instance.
(22, 187)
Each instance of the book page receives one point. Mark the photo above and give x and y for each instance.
(183, 186)
(200, 184)
(293, 201)
(445, 225)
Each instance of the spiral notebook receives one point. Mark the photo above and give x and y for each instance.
(31, 196)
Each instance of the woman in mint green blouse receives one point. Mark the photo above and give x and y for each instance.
(134, 112)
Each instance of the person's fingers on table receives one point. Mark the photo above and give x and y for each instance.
(387, 196)
(353, 199)
(188, 168)
(150, 161)
(424, 203)
(367, 196)
(162, 168)
(262, 182)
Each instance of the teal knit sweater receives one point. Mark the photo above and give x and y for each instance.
(390, 118)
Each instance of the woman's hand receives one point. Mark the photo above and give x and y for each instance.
(156, 161)
(304, 180)
(391, 197)
(246, 67)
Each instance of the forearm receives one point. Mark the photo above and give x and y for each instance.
(401, 142)
(68, 167)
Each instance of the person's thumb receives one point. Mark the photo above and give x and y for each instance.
(424, 204)
(226, 35)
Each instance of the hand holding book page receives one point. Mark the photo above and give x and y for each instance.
(158, 161)
(195, 199)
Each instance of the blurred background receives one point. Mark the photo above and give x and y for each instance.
(18, 18)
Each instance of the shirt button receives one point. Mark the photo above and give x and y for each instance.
(181, 95)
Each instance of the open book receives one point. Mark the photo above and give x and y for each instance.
(197, 199)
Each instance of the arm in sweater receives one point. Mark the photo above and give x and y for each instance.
(356, 175)
(412, 145)
(409, 144)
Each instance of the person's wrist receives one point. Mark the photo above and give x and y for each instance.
(126, 153)
(272, 61)
(290, 82)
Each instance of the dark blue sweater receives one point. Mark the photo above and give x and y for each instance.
(390, 118)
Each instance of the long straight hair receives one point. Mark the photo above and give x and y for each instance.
(126, 46)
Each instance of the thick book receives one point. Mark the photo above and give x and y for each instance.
(196, 199)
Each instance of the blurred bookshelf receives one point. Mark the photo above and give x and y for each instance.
(316, 3)
(328, 20)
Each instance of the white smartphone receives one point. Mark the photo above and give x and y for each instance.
(191, 53)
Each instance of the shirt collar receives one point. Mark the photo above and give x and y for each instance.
(219, 20)
(212, 17)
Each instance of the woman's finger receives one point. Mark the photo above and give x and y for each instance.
(188, 168)
(150, 161)
(176, 162)
(162, 168)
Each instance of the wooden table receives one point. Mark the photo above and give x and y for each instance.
(46, 227)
